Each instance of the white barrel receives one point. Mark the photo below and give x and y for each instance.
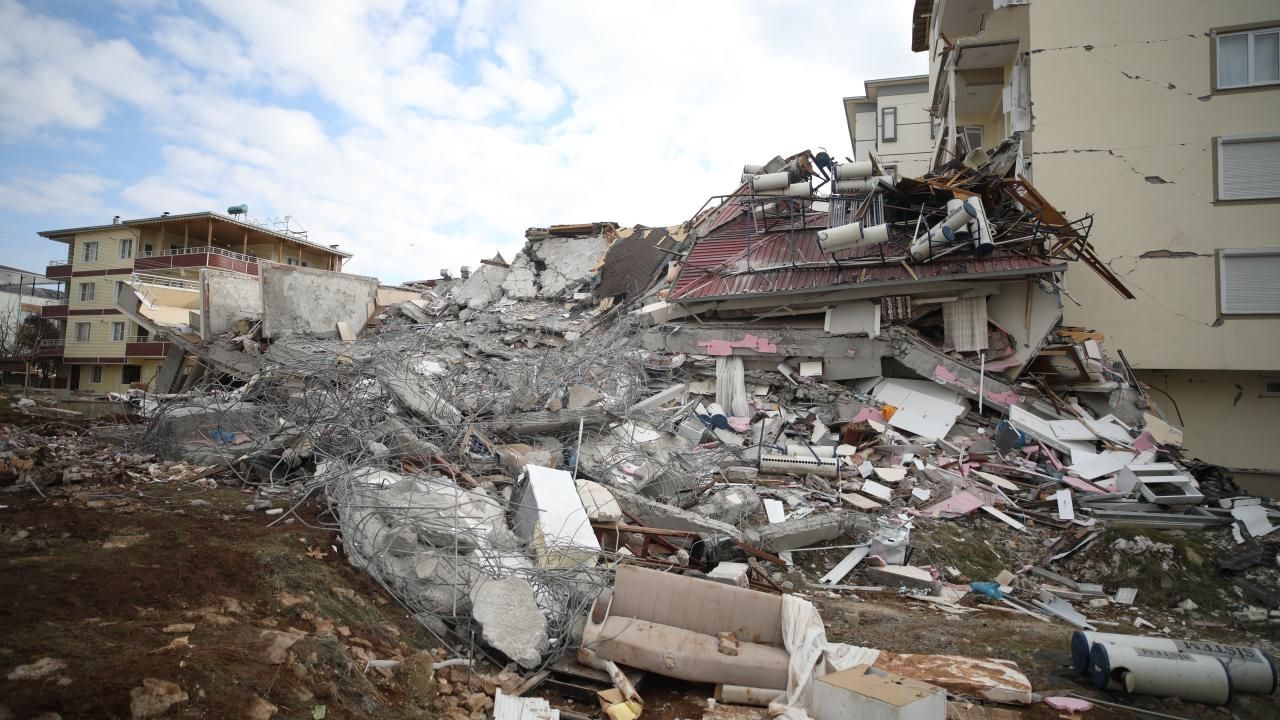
(1160, 673)
(944, 233)
(1251, 670)
(750, 169)
(853, 171)
(852, 235)
(800, 190)
(771, 181)
(741, 695)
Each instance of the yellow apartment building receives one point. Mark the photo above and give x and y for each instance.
(159, 258)
(1161, 118)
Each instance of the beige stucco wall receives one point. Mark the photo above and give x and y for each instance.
(1227, 421)
(911, 151)
(1137, 152)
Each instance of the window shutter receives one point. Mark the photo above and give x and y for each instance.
(1249, 169)
(1250, 282)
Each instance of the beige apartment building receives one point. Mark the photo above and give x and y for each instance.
(1161, 119)
(892, 120)
(158, 260)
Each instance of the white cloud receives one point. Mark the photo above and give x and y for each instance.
(76, 196)
(441, 132)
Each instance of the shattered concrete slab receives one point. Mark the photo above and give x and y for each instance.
(510, 619)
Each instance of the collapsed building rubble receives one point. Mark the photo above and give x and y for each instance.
(525, 454)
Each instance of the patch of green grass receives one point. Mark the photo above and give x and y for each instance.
(1157, 586)
(286, 569)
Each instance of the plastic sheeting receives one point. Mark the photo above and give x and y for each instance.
(805, 638)
(731, 386)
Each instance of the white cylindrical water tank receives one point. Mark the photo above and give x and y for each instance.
(771, 181)
(1160, 673)
(750, 169)
(800, 190)
(1251, 670)
(853, 170)
(852, 235)
(944, 233)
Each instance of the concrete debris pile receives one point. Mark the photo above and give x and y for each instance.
(614, 449)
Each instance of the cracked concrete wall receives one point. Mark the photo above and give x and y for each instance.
(570, 262)
(1228, 420)
(482, 289)
(304, 300)
(226, 297)
(1141, 105)
(521, 282)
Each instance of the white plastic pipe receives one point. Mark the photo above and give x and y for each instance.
(771, 181)
(1160, 673)
(853, 171)
(1251, 670)
(741, 695)
(852, 235)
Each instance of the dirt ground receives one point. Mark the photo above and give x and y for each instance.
(107, 585)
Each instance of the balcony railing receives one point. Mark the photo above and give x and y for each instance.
(163, 281)
(58, 269)
(54, 310)
(203, 250)
(196, 257)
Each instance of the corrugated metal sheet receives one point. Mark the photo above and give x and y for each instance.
(734, 260)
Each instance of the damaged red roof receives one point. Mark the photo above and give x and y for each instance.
(731, 261)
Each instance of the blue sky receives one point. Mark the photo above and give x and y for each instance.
(417, 135)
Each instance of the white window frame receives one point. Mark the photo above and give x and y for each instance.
(1223, 254)
(88, 332)
(89, 251)
(1217, 58)
(118, 332)
(1235, 139)
(87, 291)
(125, 246)
(886, 134)
(95, 374)
(1267, 382)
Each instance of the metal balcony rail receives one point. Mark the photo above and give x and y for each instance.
(207, 249)
(163, 281)
(53, 342)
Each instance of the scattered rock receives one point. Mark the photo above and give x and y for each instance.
(179, 628)
(199, 503)
(41, 668)
(261, 709)
(154, 698)
(274, 645)
(417, 676)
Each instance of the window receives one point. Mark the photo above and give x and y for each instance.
(891, 170)
(889, 124)
(306, 263)
(86, 291)
(96, 374)
(1248, 167)
(119, 288)
(1249, 58)
(291, 261)
(126, 248)
(1249, 281)
(84, 331)
(117, 332)
(90, 252)
(970, 137)
(130, 374)
(147, 248)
